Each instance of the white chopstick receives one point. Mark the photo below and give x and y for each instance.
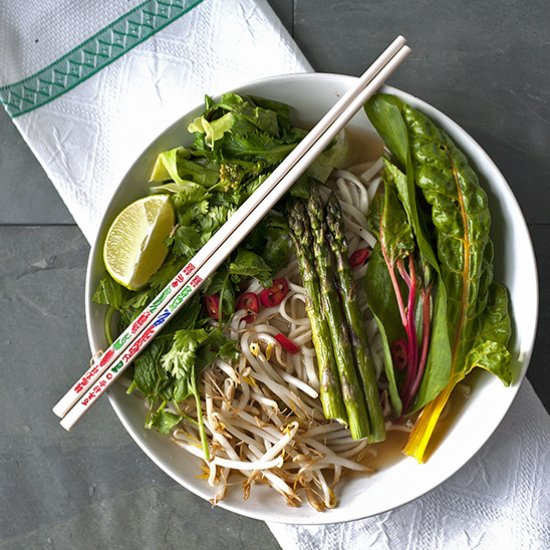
(209, 258)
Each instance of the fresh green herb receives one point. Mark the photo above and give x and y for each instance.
(249, 264)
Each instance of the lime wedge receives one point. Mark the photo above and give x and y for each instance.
(134, 248)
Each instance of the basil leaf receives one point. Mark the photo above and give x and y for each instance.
(145, 371)
(110, 293)
(250, 264)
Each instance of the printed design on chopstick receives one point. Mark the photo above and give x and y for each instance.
(92, 55)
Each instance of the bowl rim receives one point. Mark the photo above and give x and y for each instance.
(529, 339)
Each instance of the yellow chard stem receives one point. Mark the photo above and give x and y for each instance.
(423, 429)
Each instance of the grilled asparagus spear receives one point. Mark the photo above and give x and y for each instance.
(330, 391)
(352, 391)
(355, 320)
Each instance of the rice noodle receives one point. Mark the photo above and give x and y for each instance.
(263, 418)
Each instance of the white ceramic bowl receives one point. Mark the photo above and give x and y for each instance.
(311, 95)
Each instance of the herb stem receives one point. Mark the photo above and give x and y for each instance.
(200, 420)
(107, 324)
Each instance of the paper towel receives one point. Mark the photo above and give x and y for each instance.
(87, 138)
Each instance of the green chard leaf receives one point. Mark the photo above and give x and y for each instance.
(396, 237)
(461, 218)
(461, 224)
(383, 305)
(385, 112)
(406, 189)
(438, 365)
(489, 351)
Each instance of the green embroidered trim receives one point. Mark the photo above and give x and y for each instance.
(92, 55)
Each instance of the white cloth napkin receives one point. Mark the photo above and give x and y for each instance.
(88, 136)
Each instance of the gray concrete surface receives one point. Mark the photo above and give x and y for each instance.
(483, 63)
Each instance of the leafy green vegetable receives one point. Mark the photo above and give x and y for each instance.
(438, 365)
(383, 305)
(110, 293)
(214, 130)
(184, 192)
(270, 239)
(216, 346)
(395, 400)
(220, 284)
(250, 264)
(180, 359)
(164, 421)
(489, 351)
(176, 165)
(384, 112)
(396, 237)
(335, 156)
(145, 371)
(185, 241)
(461, 222)
(461, 218)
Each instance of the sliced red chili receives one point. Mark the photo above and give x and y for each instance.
(248, 301)
(286, 344)
(274, 295)
(399, 354)
(359, 257)
(212, 305)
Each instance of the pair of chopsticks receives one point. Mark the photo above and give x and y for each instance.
(106, 368)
